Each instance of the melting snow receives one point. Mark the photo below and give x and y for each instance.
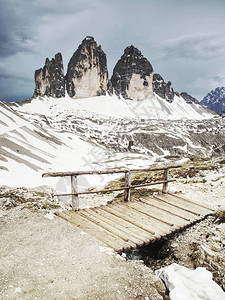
(186, 284)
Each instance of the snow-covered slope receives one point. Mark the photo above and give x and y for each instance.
(112, 106)
(27, 150)
(45, 134)
(29, 147)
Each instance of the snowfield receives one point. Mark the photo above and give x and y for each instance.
(113, 107)
(47, 134)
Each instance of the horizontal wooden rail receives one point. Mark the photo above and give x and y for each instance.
(118, 189)
(62, 174)
(127, 188)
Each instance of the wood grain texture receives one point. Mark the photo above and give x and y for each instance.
(127, 225)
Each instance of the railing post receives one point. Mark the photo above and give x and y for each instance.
(165, 184)
(127, 183)
(74, 190)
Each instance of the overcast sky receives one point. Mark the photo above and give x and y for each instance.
(183, 40)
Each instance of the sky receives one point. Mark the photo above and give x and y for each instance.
(183, 40)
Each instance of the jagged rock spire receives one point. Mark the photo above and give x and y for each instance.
(132, 75)
(163, 89)
(87, 73)
(49, 80)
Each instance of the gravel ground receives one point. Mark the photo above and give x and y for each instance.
(45, 257)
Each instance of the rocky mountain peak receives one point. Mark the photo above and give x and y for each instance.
(132, 75)
(131, 50)
(87, 74)
(49, 80)
(215, 100)
(163, 89)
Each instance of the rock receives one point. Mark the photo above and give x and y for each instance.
(50, 216)
(87, 74)
(163, 89)
(49, 80)
(188, 98)
(132, 76)
(9, 203)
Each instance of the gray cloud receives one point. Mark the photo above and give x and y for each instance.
(20, 21)
(195, 46)
(184, 41)
(218, 79)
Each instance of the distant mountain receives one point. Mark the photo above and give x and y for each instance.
(215, 100)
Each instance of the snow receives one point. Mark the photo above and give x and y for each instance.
(112, 106)
(31, 145)
(186, 284)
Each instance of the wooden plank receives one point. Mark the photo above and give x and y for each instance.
(187, 200)
(128, 218)
(101, 234)
(159, 214)
(130, 228)
(142, 220)
(159, 227)
(191, 206)
(102, 223)
(152, 212)
(115, 227)
(169, 208)
(176, 204)
(56, 174)
(89, 227)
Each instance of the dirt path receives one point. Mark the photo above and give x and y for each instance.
(49, 259)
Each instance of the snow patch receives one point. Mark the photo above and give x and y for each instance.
(186, 284)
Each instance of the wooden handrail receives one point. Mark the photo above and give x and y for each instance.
(117, 189)
(62, 174)
(74, 187)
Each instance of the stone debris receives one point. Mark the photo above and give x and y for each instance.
(40, 198)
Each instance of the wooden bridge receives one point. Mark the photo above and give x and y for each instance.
(133, 222)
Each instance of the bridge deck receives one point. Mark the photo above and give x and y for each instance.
(127, 225)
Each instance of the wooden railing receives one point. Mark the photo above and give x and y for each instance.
(127, 188)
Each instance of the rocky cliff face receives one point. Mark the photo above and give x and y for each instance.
(215, 100)
(163, 89)
(87, 74)
(132, 75)
(188, 98)
(49, 80)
